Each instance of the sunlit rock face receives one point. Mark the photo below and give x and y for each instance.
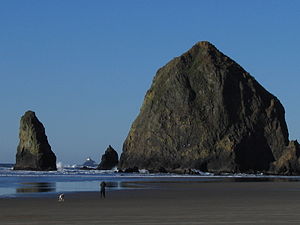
(34, 151)
(204, 111)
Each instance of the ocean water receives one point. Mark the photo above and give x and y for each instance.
(73, 179)
(65, 179)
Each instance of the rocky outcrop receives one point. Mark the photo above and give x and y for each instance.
(89, 163)
(289, 162)
(204, 111)
(109, 159)
(34, 151)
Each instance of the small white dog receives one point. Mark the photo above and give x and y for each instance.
(61, 198)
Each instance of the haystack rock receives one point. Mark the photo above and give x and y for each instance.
(34, 151)
(109, 160)
(204, 111)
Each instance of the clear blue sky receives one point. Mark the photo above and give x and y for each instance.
(85, 66)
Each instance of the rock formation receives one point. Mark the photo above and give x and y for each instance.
(204, 111)
(109, 159)
(89, 162)
(34, 151)
(289, 162)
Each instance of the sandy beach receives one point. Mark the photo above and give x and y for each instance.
(165, 203)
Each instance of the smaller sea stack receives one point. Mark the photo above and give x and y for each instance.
(109, 159)
(34, 151)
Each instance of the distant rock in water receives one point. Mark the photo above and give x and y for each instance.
(109, 160)
(34, 151)
(89, 162)
(204, 111)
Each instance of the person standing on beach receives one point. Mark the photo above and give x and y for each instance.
(102, 189)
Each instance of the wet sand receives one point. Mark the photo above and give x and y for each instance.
(166, 203)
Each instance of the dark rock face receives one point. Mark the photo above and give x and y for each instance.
(109, 160)
(132, 170)
(34, 151)
(204, 111)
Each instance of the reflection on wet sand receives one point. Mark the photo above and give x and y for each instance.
(264, 179)
(122, 185)
(149, 183)
(36, 187)
(63, 187)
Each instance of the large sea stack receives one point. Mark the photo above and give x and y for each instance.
(34, 151)
(204, 111)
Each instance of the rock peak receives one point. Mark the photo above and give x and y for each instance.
(205, 44)
(29, 113)
(203, 54)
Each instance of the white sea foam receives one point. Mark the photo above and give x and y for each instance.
(60, 166)
(144, 171)
(75, 171)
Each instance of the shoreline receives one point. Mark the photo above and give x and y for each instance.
(165, 203)
(49, 189)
